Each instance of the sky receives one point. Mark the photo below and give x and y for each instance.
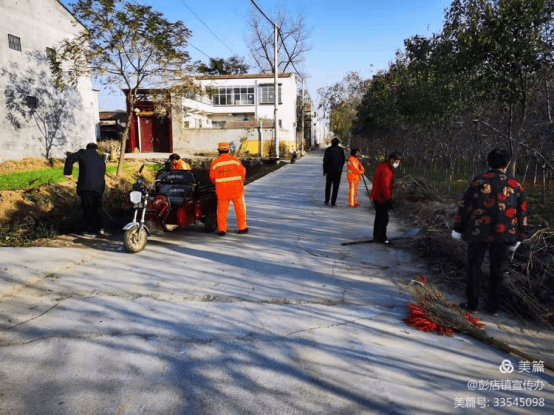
(347, 35)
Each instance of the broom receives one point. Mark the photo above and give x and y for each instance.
(432, 312)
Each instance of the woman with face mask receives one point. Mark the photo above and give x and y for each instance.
(381, 195)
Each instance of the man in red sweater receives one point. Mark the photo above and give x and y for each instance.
(381, 195)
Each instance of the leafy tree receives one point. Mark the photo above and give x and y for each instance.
(125, 44)
(234, 65)
(339, 102)
(341, 119)
(294, 38)
(501, 47)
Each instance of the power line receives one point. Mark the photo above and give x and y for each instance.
(281, 35)
(261, 11)
(290, 58)
(199, 50)
(207, 27)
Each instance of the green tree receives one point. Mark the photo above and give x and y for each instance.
(341, 119)
(234, 65)
(125, 44)
(501, 48)
(339, 102)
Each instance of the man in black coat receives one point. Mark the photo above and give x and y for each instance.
(333, 162)
(90, 186)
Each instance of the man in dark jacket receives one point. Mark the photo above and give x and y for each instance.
(333, 161)
(381, 195)
(90, 185)
(492, 216)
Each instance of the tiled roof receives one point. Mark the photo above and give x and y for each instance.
(242, 76)
(110, 115)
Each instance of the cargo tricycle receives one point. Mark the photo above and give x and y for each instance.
(175, 199)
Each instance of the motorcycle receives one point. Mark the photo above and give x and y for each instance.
(175, 199)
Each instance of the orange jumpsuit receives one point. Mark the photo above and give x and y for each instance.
(228, 174)
(181, 165)
(354, 171)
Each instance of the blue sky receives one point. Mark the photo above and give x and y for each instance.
(348, 35)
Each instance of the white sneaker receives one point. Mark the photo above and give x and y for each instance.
(102, 232)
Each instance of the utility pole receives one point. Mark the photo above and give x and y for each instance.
(276, 94)
(303, 108)
(276, 76)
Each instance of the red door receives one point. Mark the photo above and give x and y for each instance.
(160, 134)
(146, 134)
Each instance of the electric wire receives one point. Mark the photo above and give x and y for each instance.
(281, 35)
(191, 45)
(261, 11)
(182, 1)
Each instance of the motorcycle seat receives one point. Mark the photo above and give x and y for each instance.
(176, 177)
(177, 193)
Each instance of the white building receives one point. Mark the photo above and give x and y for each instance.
(240, 110)
(36, 119)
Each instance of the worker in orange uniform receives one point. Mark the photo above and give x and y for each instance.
(354, 171)
(177, 163)
(228, 174)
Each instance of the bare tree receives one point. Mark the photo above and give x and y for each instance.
(293, 42)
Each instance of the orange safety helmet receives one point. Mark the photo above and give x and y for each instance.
(223, 146)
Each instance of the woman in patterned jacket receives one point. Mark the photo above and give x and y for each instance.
(492, 216)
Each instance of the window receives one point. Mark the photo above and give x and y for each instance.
(186, 124)
(32, 102)
(233, 95)
(14, 42)
(267, 94)
(218, 124)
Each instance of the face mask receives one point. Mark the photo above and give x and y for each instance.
(395, 165)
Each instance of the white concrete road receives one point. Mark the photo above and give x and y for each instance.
(283, 320)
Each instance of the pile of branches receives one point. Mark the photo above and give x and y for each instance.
(529, 284)
(432, 312)
(530, 281)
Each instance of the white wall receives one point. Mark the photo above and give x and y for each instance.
(40, 24)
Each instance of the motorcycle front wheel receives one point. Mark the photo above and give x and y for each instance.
(135, 240)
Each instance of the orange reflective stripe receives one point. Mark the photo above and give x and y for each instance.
(225, 163)
(228, 179)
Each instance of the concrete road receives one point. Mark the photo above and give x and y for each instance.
(283, 320)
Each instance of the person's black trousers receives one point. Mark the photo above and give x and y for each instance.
(381, 222)
(92, 210)
(333, 179)
(499, 260)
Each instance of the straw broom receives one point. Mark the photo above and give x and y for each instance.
(432, 312)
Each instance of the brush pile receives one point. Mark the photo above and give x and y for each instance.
(529, 285)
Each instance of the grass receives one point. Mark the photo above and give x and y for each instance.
(266, 169)
(56, 210)
(34, 178)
